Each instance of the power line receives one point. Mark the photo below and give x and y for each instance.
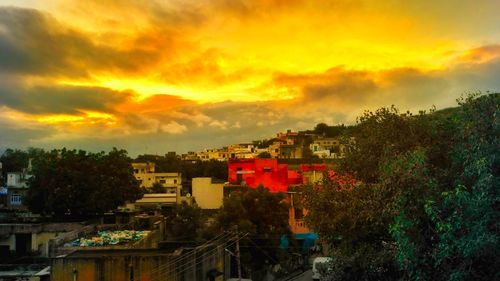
(177, 260)
(186, 257)
(207, 255)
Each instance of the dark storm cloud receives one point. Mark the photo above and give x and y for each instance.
(336, 85)
(34, 43)
(347, 87)
(59, 99)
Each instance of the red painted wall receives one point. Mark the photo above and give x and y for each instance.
(255, 172)
(269, 173)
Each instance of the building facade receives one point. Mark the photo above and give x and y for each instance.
(207, 195)
(147, 176)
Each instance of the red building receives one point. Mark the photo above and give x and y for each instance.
(255, 172)
(270, 174)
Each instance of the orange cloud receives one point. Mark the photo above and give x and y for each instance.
(131, 71)
(481, 54)
(155, 103)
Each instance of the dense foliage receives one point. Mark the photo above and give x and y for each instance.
(325, 130)
(263, 216)
(16, 160)
(79, 183)
(185, 223)
(426, 206)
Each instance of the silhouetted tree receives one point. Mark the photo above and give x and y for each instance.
(78, 183)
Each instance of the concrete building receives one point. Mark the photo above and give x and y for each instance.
(188, 263)
(190, 156)
(13, 194)
(290, 151)
(207, 195)
(313, 173)
(255, 172)
(275, 148)
(215, 154)
(147, 176)
(332, 148)
(242, 150)
(288, 136)
(31, 238)
(157, 201)
(21, 272)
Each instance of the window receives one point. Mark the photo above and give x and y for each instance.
(162, 181)
(175, 181)
(267, 169)
(15, 199)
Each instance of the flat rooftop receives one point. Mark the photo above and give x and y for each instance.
(89, 253)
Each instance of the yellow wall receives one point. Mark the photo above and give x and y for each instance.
(208, 195)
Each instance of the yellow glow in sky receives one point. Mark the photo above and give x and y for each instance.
(208, 71)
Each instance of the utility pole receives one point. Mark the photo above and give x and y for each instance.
(238, 257)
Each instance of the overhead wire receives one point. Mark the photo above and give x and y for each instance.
(182, 257)
(185, 257)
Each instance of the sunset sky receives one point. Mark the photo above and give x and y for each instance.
(158, 76)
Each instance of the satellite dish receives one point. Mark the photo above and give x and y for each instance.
(188, 195)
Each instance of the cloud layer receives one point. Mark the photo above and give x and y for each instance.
(158, 76)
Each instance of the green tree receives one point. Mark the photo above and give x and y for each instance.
(351, 220)
(381, 135)
(329, 131)
(427, 197)
(13, 160)
(264, 216)
(80, 183)
(458, 240)
(355, 219)
(185, 223)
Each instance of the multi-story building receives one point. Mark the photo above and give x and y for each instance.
(13, 194)
(289, 136)
(255, 172)
(190, 156)
(216, 154)
(327, 148)
(242, 150)
(147, 176)
(275, 148)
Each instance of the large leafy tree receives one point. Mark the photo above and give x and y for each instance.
(263, 217)
(185, 223)
(16, 160)
(427, 197)
(459, 240)
(351, 219)
(354, 218)
(380, 136)
(80, 183)
(13, 160)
